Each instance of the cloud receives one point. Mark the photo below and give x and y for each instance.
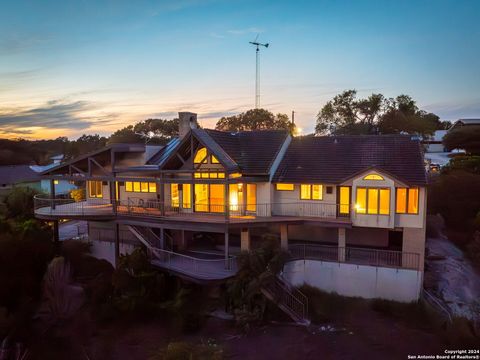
(16, 43)
(55, 114)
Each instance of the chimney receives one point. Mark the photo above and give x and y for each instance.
(187, 121)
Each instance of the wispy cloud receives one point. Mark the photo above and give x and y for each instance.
(16, 43)
(53, 115)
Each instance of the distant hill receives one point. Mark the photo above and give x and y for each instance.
(18, 152)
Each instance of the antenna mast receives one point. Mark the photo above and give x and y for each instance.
(257, 70)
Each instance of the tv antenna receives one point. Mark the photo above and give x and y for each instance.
(257, 70)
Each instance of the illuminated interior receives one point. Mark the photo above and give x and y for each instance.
(284, 187)
(344, 200)
(372, 201)
(373, 177)
(200, 156)
(311, 192)
(140, 186)
(407, 201)
(95, 189)
(174, 195)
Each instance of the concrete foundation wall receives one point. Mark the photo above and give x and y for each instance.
(363, 281)
(367, 237)
(106, 250)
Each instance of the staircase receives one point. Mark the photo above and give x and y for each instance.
(289, 299)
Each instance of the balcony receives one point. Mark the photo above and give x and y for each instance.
(142, 208)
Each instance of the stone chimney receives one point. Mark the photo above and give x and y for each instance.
(187, 121)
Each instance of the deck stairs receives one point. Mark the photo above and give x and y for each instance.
(288, 298)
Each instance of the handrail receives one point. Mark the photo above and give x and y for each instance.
(355, 255)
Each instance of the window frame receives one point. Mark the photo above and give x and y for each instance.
(310, 192)
(378, 197)
(407, 200)
(145, 187)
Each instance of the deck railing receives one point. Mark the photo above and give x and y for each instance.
(142, 207)
(357, 256)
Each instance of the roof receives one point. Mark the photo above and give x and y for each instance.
(334, 159)
(253, 151)
(14, 174)
(469, 121)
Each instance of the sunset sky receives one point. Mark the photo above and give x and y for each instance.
(74, 67)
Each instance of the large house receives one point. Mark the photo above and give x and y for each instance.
(350, 210)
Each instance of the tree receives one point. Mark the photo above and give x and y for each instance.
(403, 116)
(152, 131)
(467, 138)
(84, 144)
(346, 114)
(255, 119)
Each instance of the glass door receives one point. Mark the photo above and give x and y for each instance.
(201, 197)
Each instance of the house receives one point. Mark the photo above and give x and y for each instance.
(62, 186)
(18, 175)
(435, 144)
(350, 210)
(464, 122)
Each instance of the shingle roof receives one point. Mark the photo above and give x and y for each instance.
(334, 159)
(14, 174)
(253, 151)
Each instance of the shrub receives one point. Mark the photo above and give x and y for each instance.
(78, 194)
(189, 351)
(19, 202)
(473, 248)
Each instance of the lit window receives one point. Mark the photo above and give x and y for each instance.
(221, 175)
(373, 177)
(152, 187)
(214, 160)
(55, 182)
(174, 195)
(344, 200)
(407, 201)
(413, 201)
(213, 175)
(235, 175)
(285, 187)
(128, 186)
(311, 192)
(305, 192)
(200, 155)
(95, 189)
(361, 201)
(373, 201)
(137, 186)
(186, 196)
(384, 204)
(207, 175)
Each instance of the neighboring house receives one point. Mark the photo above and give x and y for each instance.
(435, 144)
(464, 122)
(18, 175)
(350, 210)
(62, 186)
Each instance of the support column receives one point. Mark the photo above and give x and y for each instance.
(342, 244)
(52, 194)
(284, 237)
(113, 195)
(117, 244)
(245, 240)
(162, 238)
(183, 241)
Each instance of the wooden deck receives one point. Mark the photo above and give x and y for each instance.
(101, 209)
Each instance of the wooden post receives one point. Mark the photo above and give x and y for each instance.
(227, 263)
(245, 240)
(113, 196)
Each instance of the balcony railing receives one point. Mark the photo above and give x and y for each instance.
(153, 208)
(357, 256)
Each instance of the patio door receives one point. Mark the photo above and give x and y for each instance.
(217, 198)
(210, 198)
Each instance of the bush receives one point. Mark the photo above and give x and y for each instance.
(473, 248)
(78, 194)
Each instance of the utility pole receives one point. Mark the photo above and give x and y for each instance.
(293, 117)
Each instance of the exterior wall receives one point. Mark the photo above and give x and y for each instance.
(313, 233)
(435, 148)
(356, 280)
(414, 242)
(133, 196)
(294, 196)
